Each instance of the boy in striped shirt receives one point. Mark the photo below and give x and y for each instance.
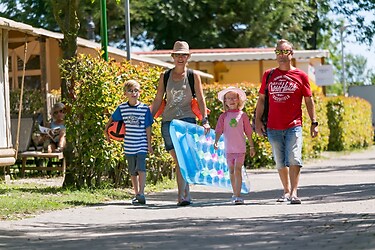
(137, 140)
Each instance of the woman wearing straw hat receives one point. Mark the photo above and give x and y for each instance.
(178, 106)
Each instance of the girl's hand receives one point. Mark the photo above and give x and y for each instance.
(215, 146)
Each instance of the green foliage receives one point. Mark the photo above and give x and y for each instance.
(228, 24)
(98, 90)
(31, 102)
(353, 10)
(312, 147)
(350, 123)
(355, 69)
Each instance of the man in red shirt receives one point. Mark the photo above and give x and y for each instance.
(287, 86)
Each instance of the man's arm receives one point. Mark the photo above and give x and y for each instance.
(311, 111)
(259, 126)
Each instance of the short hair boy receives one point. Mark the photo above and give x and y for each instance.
(138, 120)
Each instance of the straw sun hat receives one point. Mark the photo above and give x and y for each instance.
(240, 93)
(181, 47)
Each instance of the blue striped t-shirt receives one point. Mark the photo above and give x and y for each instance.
(136, 118)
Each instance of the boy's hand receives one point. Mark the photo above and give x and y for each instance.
(150, 149)
(107, 135)
(252, 151)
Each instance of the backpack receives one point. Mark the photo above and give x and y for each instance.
(194, 102)
(190, 75)
(266, 105)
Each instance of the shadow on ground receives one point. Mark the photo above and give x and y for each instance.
(300, 231)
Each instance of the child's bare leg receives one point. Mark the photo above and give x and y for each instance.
(134, 180)
(232, 179)
(141, 182)
(238, 179)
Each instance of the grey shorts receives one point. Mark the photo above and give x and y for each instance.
(136, 163)
(166, 135)
(286, 146)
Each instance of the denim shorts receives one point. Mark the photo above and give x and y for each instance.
(166, 135)
(286, 146)
(136, 163)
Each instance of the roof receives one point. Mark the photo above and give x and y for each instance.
(233, 54)
(28, 29)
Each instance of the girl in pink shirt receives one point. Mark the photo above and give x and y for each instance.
(234, 123)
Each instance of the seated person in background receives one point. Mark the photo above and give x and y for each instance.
(55, 140)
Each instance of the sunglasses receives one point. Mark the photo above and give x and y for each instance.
(59, 111)
(178, 55)
(283, 51)
(131, 91)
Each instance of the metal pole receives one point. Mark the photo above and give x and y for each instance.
(103, 30)
(342, 30)
(342, 59)
(127, 29)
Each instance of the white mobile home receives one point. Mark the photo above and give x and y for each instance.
(7, 153)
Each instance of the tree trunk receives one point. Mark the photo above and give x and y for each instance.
(65, 13)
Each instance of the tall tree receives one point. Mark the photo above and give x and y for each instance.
(65, 13)
(356, 72)
(353, 10)
(207, 23)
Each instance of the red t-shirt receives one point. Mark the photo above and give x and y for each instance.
(286, 89)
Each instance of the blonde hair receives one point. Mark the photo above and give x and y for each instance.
(241, 103)
(131, 84)
(57, 106)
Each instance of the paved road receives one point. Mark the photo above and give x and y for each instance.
(338, 212)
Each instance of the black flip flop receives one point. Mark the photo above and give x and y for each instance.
(183, 203)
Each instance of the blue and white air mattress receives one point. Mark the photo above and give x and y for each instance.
(199, 162)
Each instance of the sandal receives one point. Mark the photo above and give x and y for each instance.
(284, 198)
(295, 200)
(183, 203)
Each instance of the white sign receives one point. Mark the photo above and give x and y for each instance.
(324, 75)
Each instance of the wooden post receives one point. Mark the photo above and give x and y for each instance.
(43, 78)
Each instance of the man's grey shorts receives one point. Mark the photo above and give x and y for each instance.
(286, 146)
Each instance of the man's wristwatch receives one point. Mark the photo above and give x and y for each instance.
(314, 123)
(205, 120)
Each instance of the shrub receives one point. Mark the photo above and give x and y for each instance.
(98, 90)
(350, 123)
(312, 147)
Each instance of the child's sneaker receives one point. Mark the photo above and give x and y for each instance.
(141, 198)
(135, 201)
(233, 200)
(239, 201)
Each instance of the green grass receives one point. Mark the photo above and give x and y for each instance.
(18, 201)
